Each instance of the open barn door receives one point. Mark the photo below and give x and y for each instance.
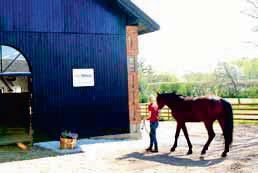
(15, 97)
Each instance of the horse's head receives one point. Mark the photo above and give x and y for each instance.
(161, 101)
(167, 99)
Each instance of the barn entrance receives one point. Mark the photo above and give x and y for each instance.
(15, 97)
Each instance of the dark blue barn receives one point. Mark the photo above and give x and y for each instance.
(59, 36)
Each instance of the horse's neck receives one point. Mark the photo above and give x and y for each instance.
(173, 105)
(170, 106)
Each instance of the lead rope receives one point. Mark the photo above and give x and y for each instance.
(144, 126)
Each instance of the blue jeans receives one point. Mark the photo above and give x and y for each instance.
(153, 138)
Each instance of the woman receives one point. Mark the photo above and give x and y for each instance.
(154, 123)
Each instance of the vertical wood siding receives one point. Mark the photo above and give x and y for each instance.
(56, 36)
(76, 16)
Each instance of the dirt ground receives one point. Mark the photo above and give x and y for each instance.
(129, 156)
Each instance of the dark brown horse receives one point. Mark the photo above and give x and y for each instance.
(199, 109)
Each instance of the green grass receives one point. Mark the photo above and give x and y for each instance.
(10, 153)
(249, 122)
(165, 119)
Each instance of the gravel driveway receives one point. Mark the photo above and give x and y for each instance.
(129, 156)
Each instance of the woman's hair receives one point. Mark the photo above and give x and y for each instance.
(152, 98)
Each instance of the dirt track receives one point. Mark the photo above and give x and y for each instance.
(243, 156)
(129, 156)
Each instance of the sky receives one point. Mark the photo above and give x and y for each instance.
(196, 35)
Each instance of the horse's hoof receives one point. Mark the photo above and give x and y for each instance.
(172, 149)
(224, 154)
(189, 152)
(203, 152)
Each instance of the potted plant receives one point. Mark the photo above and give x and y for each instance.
(68, 140)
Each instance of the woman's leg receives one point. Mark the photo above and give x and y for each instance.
(151, 138)
(151, 134)
(155, 137)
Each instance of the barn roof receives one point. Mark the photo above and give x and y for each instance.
(137, 17)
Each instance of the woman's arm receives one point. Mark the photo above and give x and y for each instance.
(158, 117)
(149, 113)
(149, 116)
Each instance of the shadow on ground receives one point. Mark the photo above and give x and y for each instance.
(172, 160)
(11, 153)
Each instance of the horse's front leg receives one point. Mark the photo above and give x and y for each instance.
(187, 139)
(178, 128)
(211, 134)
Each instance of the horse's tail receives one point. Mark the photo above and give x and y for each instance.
(229, 125)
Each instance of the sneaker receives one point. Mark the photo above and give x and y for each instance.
(148, 149)
(155, 151)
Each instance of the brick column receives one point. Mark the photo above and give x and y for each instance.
(133, 88)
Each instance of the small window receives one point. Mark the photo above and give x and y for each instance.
(12, 60)
(132, 64)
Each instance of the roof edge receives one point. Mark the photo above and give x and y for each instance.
(138, 17)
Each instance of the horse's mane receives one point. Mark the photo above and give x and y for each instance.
(180, 96)
(173, 94)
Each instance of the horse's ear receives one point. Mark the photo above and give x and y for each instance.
(158, 93)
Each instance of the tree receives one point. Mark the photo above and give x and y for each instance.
(198, 77)
(250, 9)
(165, 77)
(149, 80)
(146, 75)
(249, 67)
(227, 77)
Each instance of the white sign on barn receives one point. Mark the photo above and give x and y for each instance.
(83, 77)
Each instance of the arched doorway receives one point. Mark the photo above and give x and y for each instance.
(15, 97)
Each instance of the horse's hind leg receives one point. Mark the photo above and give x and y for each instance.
(226, 150)
(187, 139)
(178, 128)
(211, 134)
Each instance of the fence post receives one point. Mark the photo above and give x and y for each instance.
(168, 114)
(147, 111)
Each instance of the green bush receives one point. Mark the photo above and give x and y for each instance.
(143, 98)
(198, 89)
(249, 93)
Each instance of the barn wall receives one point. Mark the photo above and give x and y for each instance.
(57, 105)
(57, 36)
(80, 16)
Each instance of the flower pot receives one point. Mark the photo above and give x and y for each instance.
(66, 143)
